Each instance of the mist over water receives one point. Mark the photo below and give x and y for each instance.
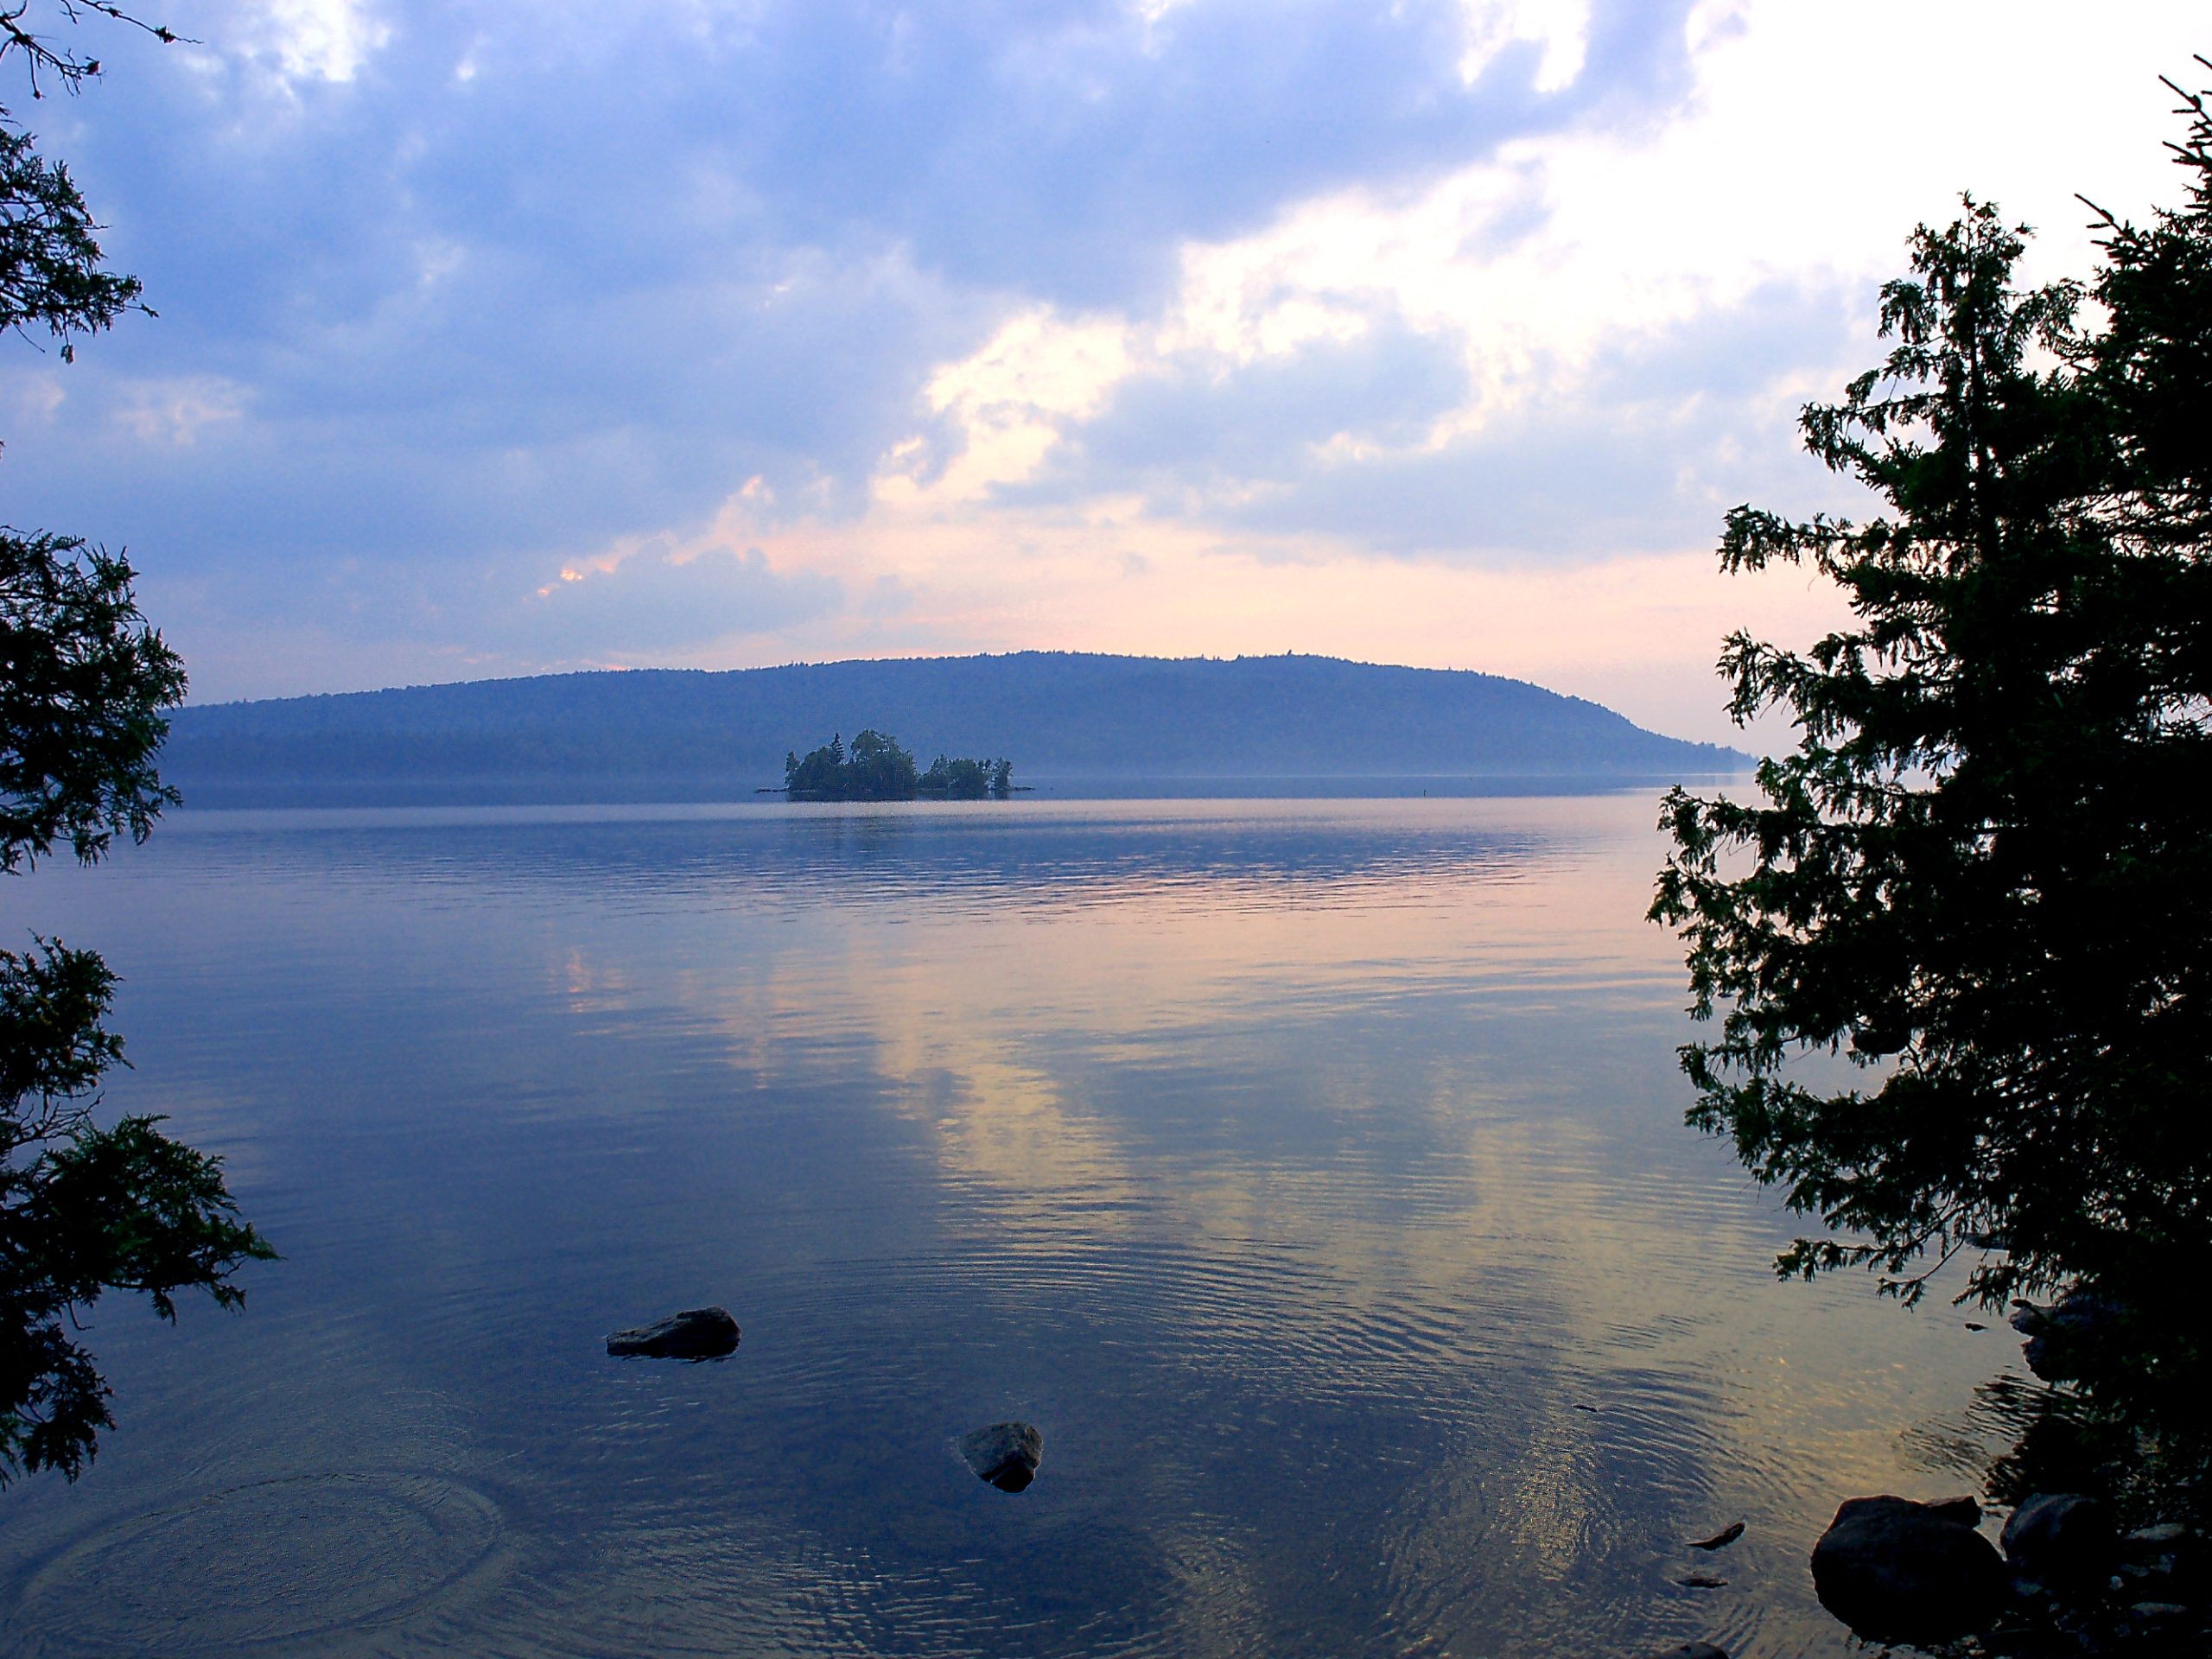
(1311, 1174)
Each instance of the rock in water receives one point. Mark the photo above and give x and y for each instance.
(696, 1333)
(1694, 1651)
(1897, 1571)
(1005, 1454)
(1720, 1540)
(2059, 1337)
(1964, 1510)
(2064, 1541)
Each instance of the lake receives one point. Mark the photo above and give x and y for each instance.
(1311, 1173)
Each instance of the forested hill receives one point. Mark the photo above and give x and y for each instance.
(691, 735)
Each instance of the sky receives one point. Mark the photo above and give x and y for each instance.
(497, 339)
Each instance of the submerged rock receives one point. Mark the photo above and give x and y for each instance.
(1005, 1454)
(2064, 1541)
(1898, 1571)
(696, 1333)
(1694, 1651)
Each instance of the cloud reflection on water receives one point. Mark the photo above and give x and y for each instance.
(1313, 1173)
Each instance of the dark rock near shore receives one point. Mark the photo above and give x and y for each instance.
(2167, 1562)
(696, 1333)
(1694, 1651)
(2162, 1540)
(1005, 1454)
(2060, 1335)
(2064, 1541)
(2160, 1617)
(1964, 1510)
(1898, 1571)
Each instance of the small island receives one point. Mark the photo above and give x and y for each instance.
(877, 769)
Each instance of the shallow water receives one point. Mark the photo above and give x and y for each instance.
(1311, 1173)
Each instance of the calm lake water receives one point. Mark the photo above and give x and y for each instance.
(1311, 1173)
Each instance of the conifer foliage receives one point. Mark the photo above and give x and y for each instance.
(1984, 874)
(85, 1207)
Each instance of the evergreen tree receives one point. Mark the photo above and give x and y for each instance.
(85, 1208)
(1985, 874)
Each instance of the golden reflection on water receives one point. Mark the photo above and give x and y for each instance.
(971, 1011)
(1357, 1123)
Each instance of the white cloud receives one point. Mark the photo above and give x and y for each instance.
(1178, 325)
(1559, 28)
(314, 39)
(1010, 399)
(1801, 154)
(655, 598)
(175, 413)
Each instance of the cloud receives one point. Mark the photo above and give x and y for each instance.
(310, 40)
(989, 320)
(480, 288)
(1202, 431)
(1642, 449)
(653, 601)
(175, 412)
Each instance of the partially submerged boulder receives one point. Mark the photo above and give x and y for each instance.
(1005, 1454)
(2064, 1541)
(1964, 1510)
(1694, 1651)
(2062, 1336)
(696, 1333)
(1898, 1571)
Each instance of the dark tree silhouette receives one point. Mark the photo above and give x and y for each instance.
(85, 1208)
(1985, 874)
(879, 769)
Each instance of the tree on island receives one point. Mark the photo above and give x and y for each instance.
(85, 1208)
(969, 780)
(878, 769)
(1984, 874)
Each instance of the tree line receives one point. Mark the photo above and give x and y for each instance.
(877, 769)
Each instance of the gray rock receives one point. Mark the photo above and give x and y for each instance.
(1005, 1454)
(696, 1333)
(1897, 1571)
(2064, 1541)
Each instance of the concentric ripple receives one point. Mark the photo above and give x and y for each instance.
(260, 1565)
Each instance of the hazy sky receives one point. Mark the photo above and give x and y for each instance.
(497, 338)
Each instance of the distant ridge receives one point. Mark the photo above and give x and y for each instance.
(1061, 717)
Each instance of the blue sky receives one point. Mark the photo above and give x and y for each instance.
(495, 339)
